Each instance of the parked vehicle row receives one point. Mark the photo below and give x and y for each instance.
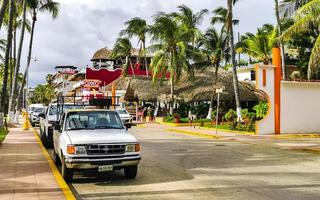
(95, 139)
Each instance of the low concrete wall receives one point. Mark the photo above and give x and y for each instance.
(300, 107)
(265, 83)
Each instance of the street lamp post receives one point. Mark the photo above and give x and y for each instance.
(27, 84)
(218, 91)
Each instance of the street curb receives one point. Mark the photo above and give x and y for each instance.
(222, 130)
(204, 135)
(63, 185)
(229, 131)
(297, 136)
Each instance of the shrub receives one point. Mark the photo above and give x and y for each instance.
(183, 109)
(231, 116)
(261, 109)
(168, 118)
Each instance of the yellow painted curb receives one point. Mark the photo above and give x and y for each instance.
(204, 135)
(288, 136)
(229, 131)
(140, 125)
(175, 124)
(63, 185)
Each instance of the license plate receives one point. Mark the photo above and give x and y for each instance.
(105, 168)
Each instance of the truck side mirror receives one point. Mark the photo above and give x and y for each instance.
(128, 126)
(42, 115)
(57, 127)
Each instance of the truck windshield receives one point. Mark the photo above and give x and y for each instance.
(121, 111)
(39, 110)
(53, 109)
(93, 120)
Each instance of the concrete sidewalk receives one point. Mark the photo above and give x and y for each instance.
(24, 170)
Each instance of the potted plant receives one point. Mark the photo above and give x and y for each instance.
(176, 118)
(149, 115)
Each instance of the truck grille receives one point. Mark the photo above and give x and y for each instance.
(102, 149)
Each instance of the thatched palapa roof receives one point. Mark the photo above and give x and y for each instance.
(201, 89)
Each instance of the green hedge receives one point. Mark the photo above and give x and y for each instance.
(3, 133)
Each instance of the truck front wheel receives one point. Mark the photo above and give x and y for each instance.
(131, 171)
(66, 173)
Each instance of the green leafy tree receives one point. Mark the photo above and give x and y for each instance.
(306, 17)
(4, 92)
(214, 48)
(36, 7)
(3, 9)
(137, 27)
(229, 27)
(23, 24)
(259, 45)
(190, 22)
(170, 50)
(123, 49)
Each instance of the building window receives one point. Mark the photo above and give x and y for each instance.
(252, 75)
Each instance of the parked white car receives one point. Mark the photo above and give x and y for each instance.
(94, 139)
(125, 116)
(34, 116)
(49, 119)
(32, 107)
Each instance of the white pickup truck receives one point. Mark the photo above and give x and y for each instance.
(94, 139)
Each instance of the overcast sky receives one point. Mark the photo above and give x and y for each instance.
(84, 26)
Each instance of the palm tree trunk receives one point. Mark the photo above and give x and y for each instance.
(209, 116)
(172, 83)
(145, 58)
(213, 92)
(4, 91)
(34, 19)
(284, 68)
(233, 60)
(129, 63)
(14, 92)
(3, 8)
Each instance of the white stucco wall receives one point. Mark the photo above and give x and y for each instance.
(300, 107)
(266, 125)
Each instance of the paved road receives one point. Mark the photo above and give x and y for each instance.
(177, 166)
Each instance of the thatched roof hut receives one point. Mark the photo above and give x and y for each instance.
(200, 89)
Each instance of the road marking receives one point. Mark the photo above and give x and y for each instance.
(63, 185)
(141, 126)
(204, 135)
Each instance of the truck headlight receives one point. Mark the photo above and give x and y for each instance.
(81, 150)
(132, 147)
(71, 149)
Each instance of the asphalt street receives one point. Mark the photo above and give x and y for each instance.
(178, 166)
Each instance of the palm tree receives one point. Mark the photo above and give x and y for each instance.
(4, 91)
(170, 50)
(23, 23)
(3, 9)
(189, 24)
(123, 49)
(259, 45)
(276, 2)
(49, 79)
(137, 27)
(287, 8)
(37, 6)
(229, 27)
(3, 44)
(307, 16)
(221, 17)
(214, 48)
